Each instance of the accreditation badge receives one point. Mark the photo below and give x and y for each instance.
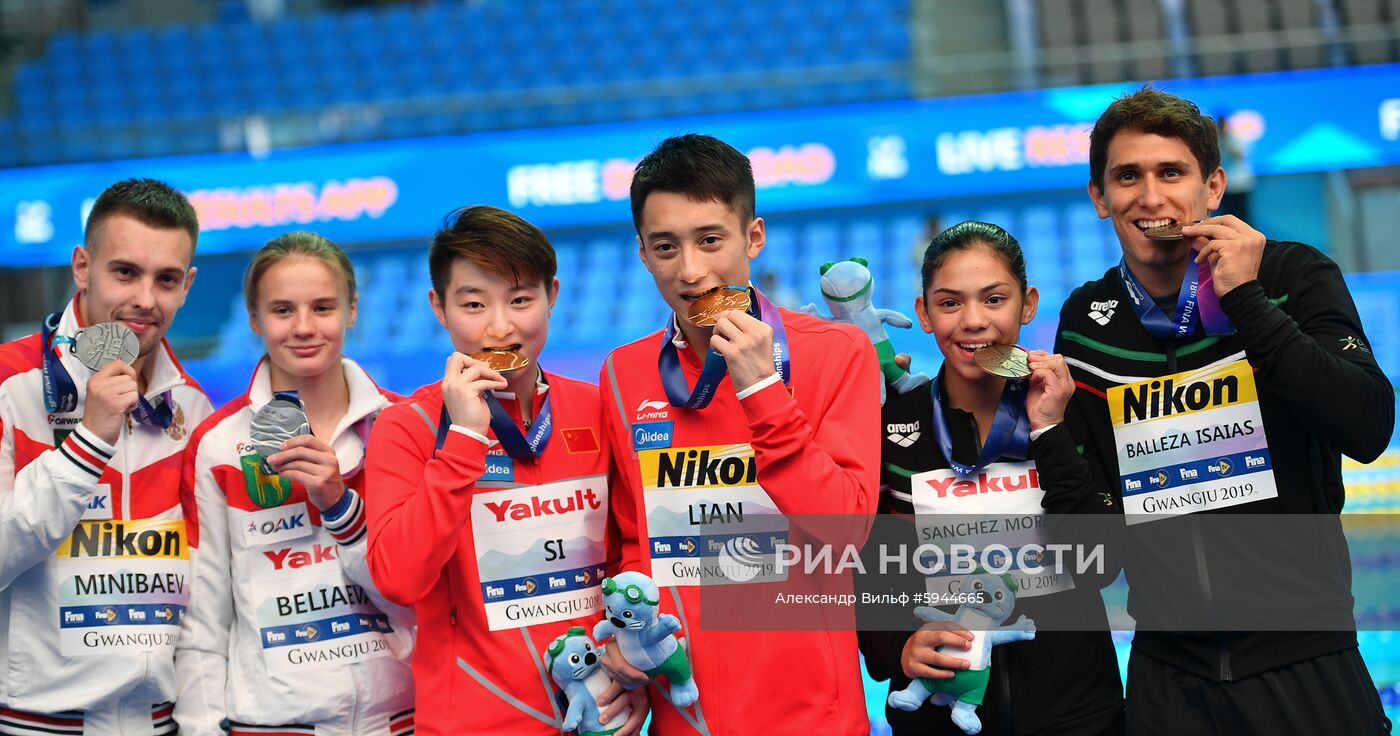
(708, 520)
(540, 552)
(1190, 442)
(121, 586)
(308, 614)
(996, 513)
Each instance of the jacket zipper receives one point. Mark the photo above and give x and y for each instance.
(1203, 568)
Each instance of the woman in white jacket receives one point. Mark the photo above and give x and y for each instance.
(284, 627)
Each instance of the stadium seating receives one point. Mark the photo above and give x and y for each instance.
(448, 67)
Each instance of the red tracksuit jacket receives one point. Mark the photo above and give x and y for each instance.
(428, 513)
(815, 445)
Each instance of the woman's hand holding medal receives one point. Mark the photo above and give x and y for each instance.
(1050, 389)
(309, 461)
(464, 385)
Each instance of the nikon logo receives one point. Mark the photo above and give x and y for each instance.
(1165, 397)
(684, 468)
(160, 538)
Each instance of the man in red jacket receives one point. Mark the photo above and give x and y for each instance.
(488, 494)
(720, 435)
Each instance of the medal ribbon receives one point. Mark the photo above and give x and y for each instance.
(518, 446)
(61, 394)
(1010, 435)
(1196, 295)
(669, 363)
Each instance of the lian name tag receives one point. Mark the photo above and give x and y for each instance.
(1191, 441)
(708, 519)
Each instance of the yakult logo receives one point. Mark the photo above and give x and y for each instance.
(984, 483)
(583, 499)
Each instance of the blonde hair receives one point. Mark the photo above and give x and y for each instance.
(298, 243)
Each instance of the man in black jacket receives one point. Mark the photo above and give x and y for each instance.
(1222, 376)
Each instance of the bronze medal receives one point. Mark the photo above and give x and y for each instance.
(1171, 231)
(705, 309)
(1003, 361)
(501, 360)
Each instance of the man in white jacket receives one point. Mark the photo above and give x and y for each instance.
(93, 552)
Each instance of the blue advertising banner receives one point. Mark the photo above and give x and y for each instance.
(803, 160)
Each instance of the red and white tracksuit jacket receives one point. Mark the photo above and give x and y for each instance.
(284, 626)
(93, 553)
(815, 445)
(439, 524)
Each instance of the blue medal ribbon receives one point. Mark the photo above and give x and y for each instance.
(517, 445)
(61, 394)
(1181, 324)
(678, 390)
(1010, 435)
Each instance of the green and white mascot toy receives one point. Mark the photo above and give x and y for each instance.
(846, 288)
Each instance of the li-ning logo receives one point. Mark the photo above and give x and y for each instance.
(902, 434)
(1102, 312)
(649, 409)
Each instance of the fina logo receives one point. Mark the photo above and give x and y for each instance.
(740, 560)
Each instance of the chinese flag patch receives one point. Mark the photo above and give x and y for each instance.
(580, 440)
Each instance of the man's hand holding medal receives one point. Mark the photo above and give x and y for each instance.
(745, 342)
(108, 349)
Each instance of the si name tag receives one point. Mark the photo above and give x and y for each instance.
(1192, 441)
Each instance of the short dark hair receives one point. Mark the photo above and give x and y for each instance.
(494, 240)
(153, 202)
(701, 167)
(968, 235)
(1150, 110)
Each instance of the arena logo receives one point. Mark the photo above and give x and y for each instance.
(290, 203)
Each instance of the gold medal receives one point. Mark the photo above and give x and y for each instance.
(501, 360)
(1171, 231)
(705, 309)
(1003, 361)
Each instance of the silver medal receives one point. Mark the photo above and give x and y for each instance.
(278, 421)
(101, 344)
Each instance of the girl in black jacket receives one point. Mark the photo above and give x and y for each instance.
(980, 459)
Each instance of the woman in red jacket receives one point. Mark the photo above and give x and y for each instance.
(490, 494)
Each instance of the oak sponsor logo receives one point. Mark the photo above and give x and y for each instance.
(277, 525)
